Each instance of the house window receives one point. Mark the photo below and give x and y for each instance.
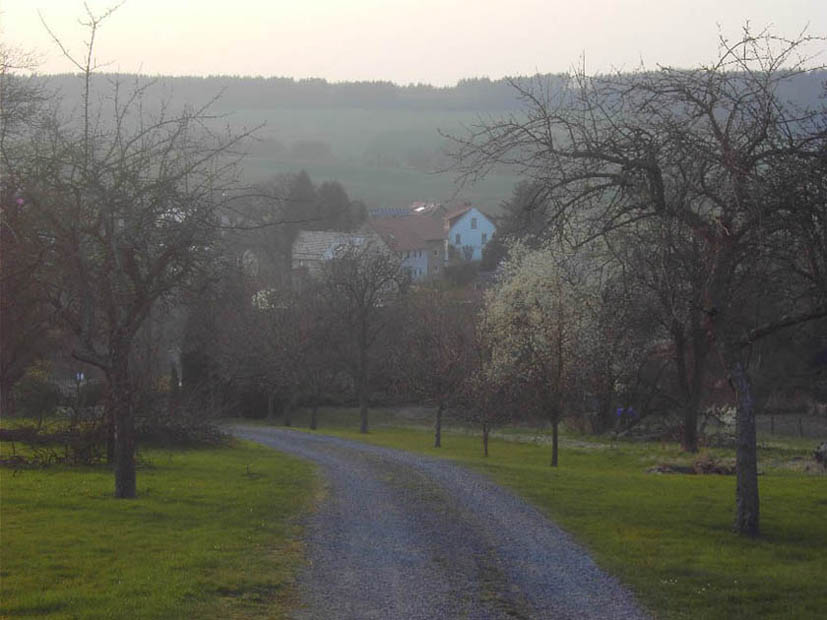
(473, 223)
(484, 238)
(457, 240)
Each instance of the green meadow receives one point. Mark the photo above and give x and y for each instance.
(371, 153)
(217, 532)
(214, 533)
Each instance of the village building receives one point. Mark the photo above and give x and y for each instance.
(467, 230)
(418, 241)
(426, 236)
(312, 248)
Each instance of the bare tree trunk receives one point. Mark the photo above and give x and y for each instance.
(689, 436)
(746, 456)
(174, 398)
(314, 416)
(288, 411)
(363, 385)
(485, 439)
(363, 410)
(691, 377)
(554, 432)
(271, 405)
(606, 406)
(7, 405)
(438, 425)
(605, 418)
(109, 424)
(124, 421)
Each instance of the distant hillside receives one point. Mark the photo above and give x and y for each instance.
(382, 141)
(476, 95)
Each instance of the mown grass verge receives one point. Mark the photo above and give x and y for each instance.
(667, 536)
(214, 533)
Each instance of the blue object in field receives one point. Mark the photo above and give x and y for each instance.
(627, 412)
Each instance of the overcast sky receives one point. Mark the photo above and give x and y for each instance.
(404, 41)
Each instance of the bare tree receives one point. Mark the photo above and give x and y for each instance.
(484, 397)
(437, 342)
(129, 200)
(294, 335)
(360, 283)
(700, 149)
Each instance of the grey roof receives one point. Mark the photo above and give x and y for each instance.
(320, 245)
(389, 212)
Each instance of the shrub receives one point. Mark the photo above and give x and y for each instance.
(35, 394)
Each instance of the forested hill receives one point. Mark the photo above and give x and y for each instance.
(475, 94)
(478, 94)
(382, 141)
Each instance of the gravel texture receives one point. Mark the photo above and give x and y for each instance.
(402, 536)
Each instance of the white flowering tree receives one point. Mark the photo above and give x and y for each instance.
(533, 327)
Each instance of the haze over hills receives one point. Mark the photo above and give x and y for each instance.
(384, 142)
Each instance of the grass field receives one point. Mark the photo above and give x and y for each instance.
(390, 186)
(214, 533)
(667, 536)
(369, 153)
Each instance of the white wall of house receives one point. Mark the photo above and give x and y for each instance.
(473, 229)
(416, 262)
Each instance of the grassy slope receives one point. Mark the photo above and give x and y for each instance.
(390, 187)
(354, 136)
(667, 536)
(204, 539)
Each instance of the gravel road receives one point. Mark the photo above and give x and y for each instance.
(402, 536)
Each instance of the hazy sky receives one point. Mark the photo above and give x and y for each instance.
(403, 41)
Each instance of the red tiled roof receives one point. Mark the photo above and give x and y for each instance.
(455, 214)
(408, 233)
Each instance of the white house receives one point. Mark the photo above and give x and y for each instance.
(467, 231)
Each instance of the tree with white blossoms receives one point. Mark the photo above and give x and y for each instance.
(533, 327)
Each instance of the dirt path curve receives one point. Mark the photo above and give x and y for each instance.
(403, 537)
